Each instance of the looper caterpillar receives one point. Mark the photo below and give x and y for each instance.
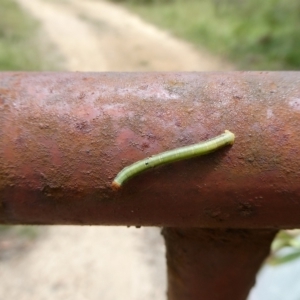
(202, 148)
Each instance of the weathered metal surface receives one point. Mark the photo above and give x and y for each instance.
(64, 136)
(214, 264)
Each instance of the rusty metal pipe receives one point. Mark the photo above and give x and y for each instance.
(214, 264)
(64, 136)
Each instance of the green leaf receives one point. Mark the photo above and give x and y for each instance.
(278, 260)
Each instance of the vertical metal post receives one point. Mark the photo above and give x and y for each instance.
(214, 264)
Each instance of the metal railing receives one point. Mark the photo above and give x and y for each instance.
(64, 136)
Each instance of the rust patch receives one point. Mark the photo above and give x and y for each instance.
(203, 263)
(64, 137)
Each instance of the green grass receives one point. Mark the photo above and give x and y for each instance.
(25, 231)
(22, 46)
(253, 34)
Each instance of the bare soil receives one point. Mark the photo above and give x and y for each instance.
(107, 263)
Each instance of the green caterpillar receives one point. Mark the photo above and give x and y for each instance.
(202, 148)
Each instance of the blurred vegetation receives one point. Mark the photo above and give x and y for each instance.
(253, 34)
(21, 44)
(285, 248)
(27, 231)
(15, 240)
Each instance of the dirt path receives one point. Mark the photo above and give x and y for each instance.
(106, 263)
(100, 36)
